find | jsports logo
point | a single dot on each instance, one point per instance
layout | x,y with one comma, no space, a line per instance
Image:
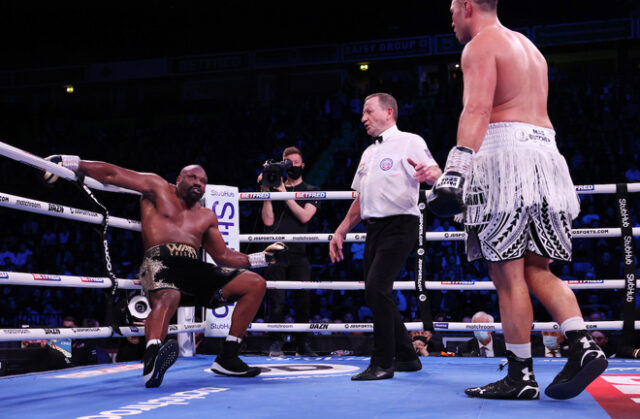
300,195
441,325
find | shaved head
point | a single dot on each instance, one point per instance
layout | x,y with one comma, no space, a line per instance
190,168
484,4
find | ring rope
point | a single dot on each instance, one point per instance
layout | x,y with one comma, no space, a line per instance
61,211
105,332
50,280
47,166
70,213
88,332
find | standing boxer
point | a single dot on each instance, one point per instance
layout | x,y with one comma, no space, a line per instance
519,197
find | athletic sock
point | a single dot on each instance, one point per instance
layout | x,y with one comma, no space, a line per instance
153,342
233,339
521,350
572,324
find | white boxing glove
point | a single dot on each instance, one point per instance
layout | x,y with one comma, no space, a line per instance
68,161
268,257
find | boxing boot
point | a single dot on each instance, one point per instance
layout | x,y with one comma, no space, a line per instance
519,384
585,363
157,359
228,363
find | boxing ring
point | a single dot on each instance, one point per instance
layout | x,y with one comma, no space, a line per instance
292,386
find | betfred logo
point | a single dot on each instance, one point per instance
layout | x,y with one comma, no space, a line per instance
93,280
46,277
585,187
255,195
300,195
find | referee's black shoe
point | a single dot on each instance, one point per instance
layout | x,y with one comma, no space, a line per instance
373,372
157,360
519,384
408,366
585,363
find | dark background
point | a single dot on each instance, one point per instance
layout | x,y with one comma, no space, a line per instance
67,32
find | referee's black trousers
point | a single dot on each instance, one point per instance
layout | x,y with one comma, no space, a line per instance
388,244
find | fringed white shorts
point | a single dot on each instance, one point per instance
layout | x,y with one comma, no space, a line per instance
510,236
520,197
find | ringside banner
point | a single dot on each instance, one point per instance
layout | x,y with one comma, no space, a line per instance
224,202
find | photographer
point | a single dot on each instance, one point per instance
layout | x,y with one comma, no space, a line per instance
289,217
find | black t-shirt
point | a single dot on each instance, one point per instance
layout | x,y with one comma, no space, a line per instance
285,221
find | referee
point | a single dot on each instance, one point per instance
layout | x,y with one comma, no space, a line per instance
388,181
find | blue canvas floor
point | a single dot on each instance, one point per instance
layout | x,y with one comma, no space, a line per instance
295,387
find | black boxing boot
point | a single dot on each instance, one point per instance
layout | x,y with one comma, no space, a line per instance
157,360
585,363
228,363
519,384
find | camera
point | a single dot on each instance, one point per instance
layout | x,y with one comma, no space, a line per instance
139,307
272,172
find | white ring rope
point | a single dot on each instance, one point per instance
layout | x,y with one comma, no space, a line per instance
88,332
61,211
70,213
438,326
106,332
66,281
45,165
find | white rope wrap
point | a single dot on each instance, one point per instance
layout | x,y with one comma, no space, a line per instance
70,162
67,281
47,166
88,332
258,260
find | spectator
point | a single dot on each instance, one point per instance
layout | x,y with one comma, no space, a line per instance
552,345
484,343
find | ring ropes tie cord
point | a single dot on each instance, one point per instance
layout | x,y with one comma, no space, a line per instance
111,293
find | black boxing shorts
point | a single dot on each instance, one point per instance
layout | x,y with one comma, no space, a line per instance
508,236
177,266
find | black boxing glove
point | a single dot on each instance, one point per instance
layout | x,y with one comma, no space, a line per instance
68,161
446,198
268,257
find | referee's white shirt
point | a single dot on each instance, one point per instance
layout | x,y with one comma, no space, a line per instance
385,178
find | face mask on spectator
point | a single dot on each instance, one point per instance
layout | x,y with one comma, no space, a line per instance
551,342
481,336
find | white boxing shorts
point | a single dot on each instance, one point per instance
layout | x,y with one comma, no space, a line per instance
520,198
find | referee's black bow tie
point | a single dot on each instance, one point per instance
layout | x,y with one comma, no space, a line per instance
377,139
